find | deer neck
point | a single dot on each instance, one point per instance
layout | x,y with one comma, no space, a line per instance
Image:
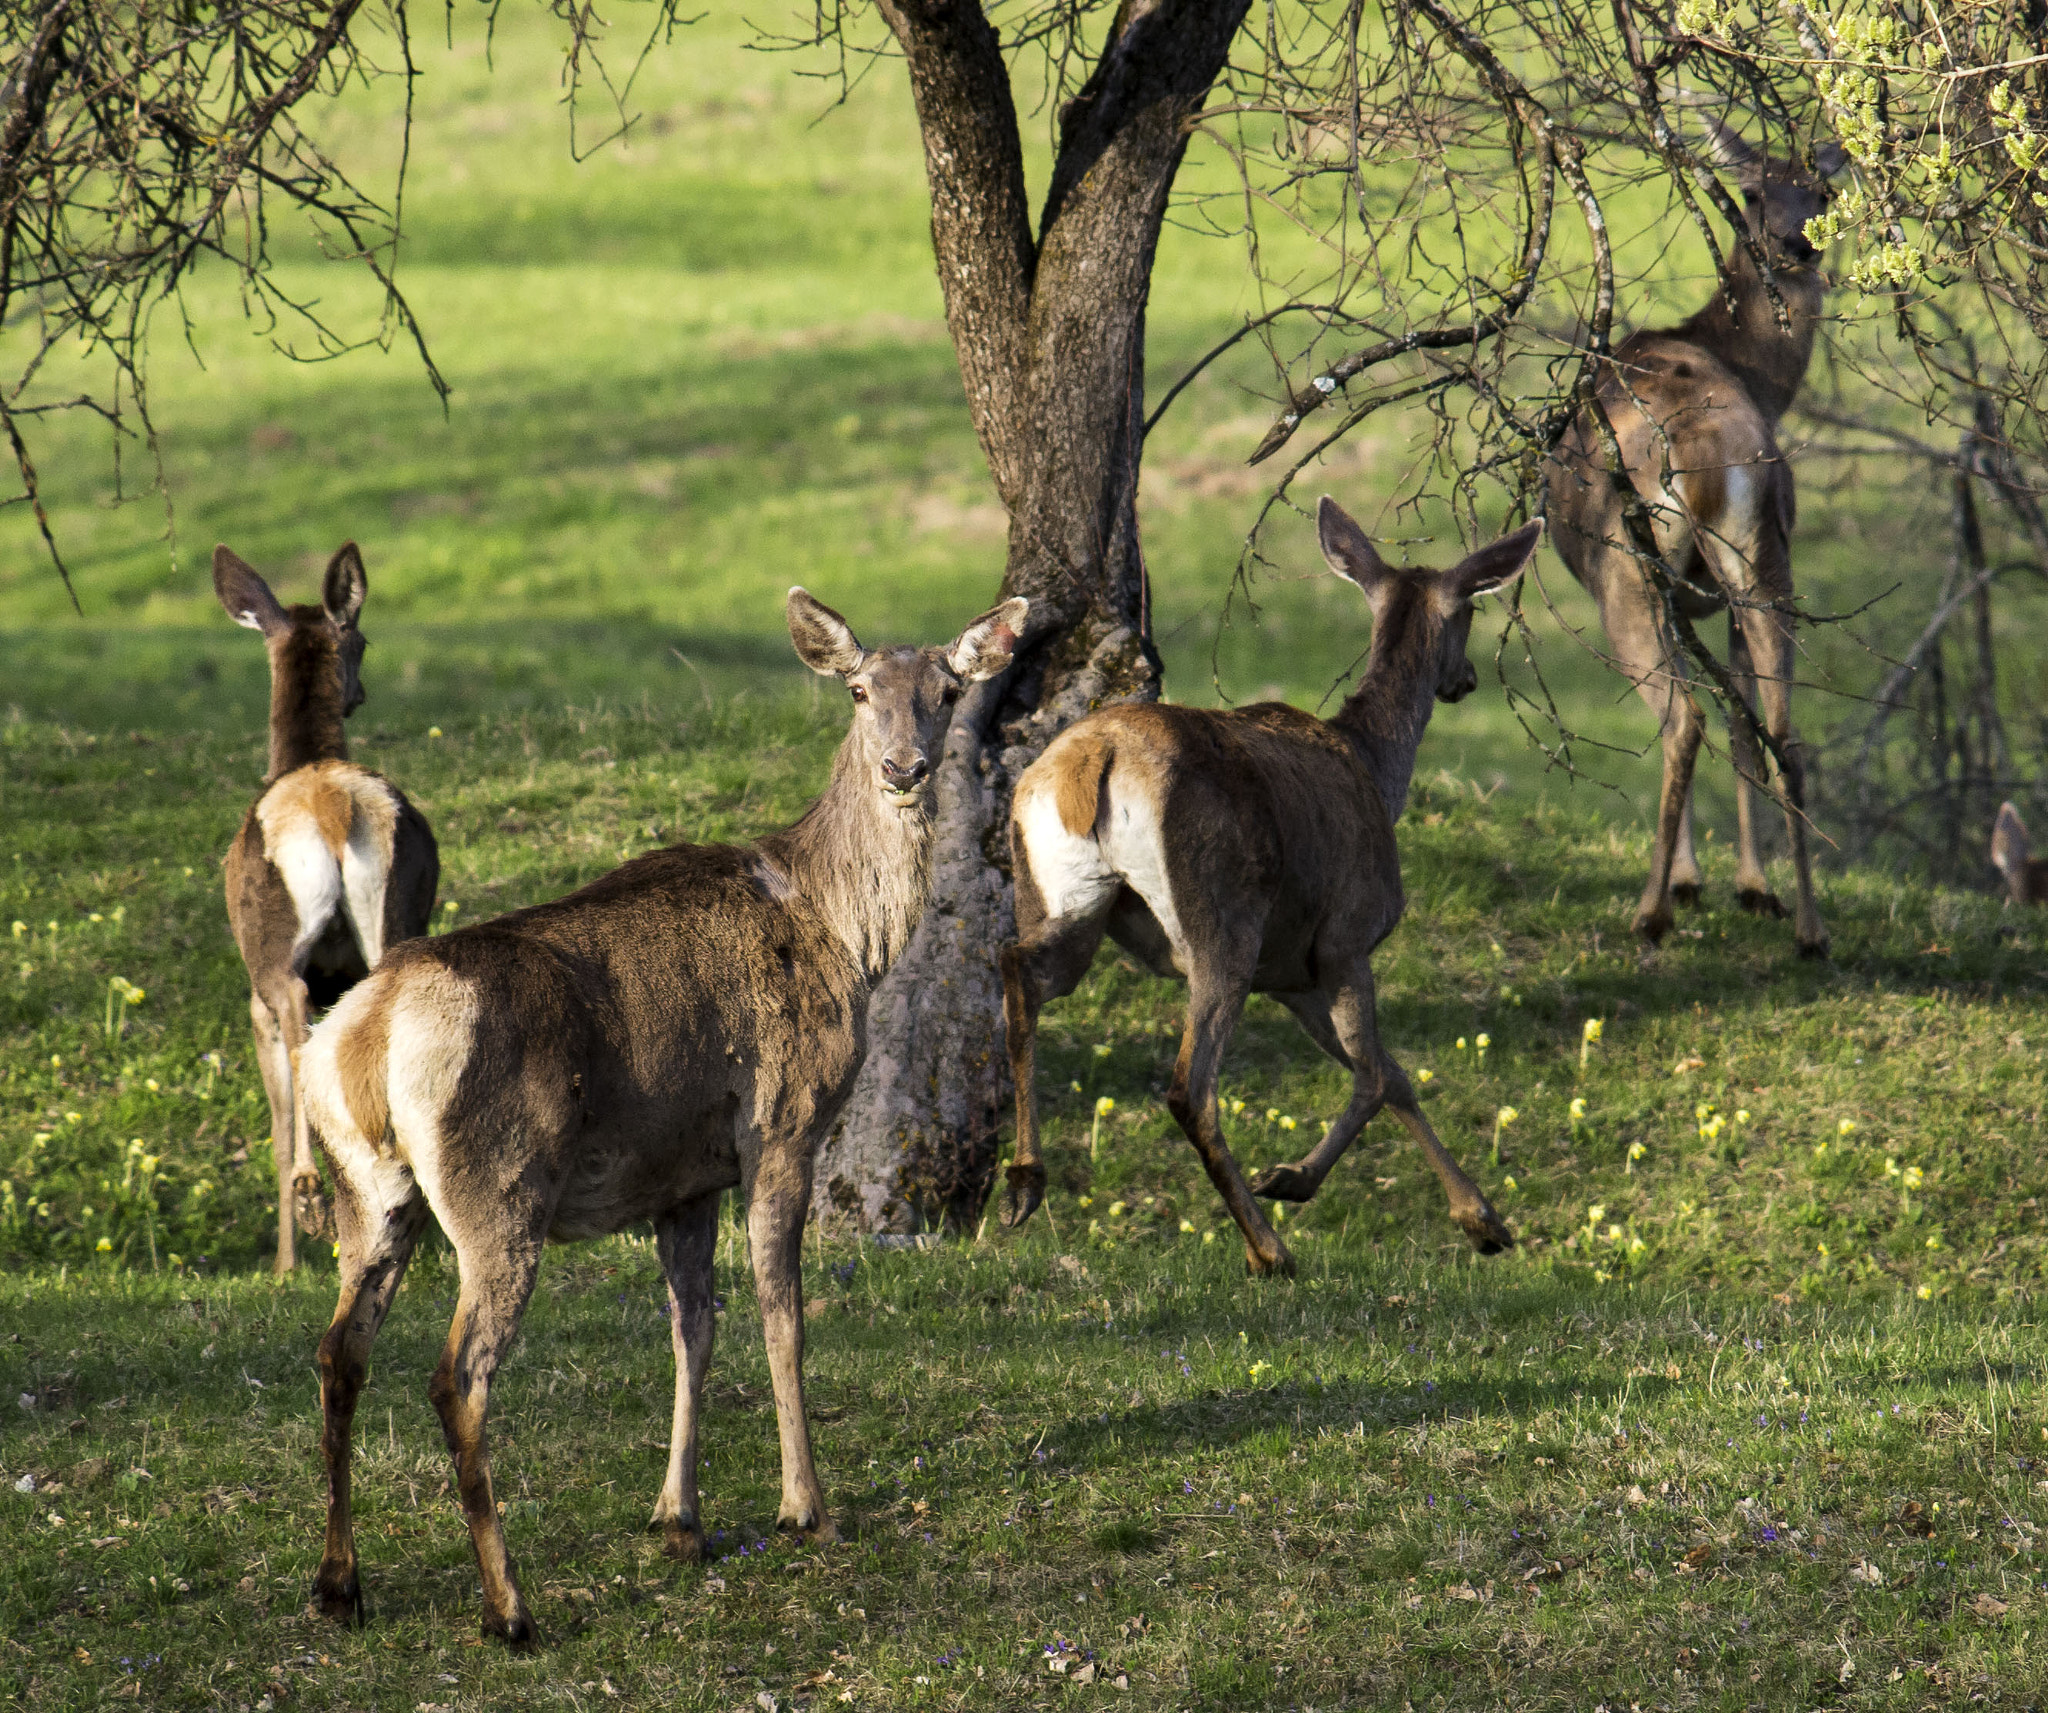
305,703
1385,717
863,864
1769,360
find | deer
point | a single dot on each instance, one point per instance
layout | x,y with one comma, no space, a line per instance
332,865
2025,875
1249,850
688,1024
1694,409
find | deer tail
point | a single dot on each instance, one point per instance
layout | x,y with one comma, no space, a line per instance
1077,789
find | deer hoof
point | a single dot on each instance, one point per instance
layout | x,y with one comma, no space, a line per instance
683,1542
1283,1183
516,1630
1653,925
338,1596
1759,902
1686,892
1279,1265
1488,1231
1817,947
311,1209
1023,1190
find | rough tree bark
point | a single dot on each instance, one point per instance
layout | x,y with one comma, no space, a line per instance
1050,332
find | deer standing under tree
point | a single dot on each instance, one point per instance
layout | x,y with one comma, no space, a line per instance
1695,409
688,1023
332,865
1249,850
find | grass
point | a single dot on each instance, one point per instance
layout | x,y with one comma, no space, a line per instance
1753,1417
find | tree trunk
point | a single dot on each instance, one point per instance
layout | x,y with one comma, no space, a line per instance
1050,333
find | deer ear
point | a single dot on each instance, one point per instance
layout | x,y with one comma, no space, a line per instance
1346,548
986,646
345,586
2009,844
1830,160
245,596
1727,150
1498,563
824,641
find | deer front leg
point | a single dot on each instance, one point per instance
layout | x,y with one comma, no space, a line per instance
376,1242
1300,1181
687,1243
777,1202
498,1271
1473,1212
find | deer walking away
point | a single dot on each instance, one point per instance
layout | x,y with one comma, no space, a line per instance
1249,851
1694,409
689,1023
331,866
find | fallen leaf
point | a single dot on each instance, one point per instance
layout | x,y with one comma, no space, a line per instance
1866,1572
1086,1674
1699,1556
1636,1496
1987,1608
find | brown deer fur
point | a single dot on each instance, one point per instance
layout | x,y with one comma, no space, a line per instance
2025,875
691,1022
1695,410
1249,850
331,865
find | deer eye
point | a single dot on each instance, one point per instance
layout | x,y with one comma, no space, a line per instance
859,692
950,694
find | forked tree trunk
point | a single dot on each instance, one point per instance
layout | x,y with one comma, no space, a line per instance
1050,332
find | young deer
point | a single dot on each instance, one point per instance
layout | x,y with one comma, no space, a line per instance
1695,409
690,1022
2026,875
332,864
1249,851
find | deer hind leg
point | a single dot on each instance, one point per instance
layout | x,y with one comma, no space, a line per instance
378,1222
1214,1004
1752,886
687,1242
1770,643
284,997
777,1201
1065,889
498,1268
274,1060
1647,652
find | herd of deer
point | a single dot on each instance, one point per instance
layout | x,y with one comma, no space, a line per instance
693,1022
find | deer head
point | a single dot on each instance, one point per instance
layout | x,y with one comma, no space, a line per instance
903,697
1422,619
311,648
1781,195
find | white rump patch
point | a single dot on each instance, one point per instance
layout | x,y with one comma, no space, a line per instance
1079,874
379,1181
433,1030
329,830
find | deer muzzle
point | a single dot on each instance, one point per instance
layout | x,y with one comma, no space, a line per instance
902,780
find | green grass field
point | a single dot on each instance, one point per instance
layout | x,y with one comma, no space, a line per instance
1752,1418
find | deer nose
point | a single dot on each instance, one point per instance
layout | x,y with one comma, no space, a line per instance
900,776
1463,685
